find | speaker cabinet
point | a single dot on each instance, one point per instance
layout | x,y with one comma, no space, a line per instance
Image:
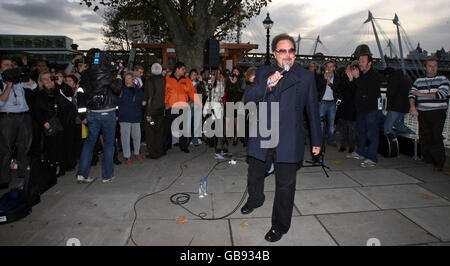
211,54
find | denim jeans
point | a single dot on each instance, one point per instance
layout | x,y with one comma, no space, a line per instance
395,119
367,129
328,109
106,122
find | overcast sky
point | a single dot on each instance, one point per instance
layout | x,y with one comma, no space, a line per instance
338,22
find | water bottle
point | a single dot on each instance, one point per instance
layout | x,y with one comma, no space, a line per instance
201,190
380,104
205,187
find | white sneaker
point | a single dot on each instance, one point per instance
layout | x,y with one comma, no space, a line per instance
200,142
81,179
219,156
107,181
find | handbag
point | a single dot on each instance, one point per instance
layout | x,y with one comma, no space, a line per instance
55,126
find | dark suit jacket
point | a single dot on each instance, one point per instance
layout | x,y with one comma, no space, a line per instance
296,92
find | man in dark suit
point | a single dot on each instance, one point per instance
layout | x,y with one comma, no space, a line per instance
294,91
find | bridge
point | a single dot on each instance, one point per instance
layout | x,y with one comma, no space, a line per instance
258,59
413,65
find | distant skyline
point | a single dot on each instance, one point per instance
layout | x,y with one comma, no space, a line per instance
339,23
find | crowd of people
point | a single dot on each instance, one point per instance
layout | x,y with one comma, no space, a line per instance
66,118
351,104
46,116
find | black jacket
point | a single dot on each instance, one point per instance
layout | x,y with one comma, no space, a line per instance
48,104
347,108
100,87
367,91
234,91
321,84
154,94
397,92
296,94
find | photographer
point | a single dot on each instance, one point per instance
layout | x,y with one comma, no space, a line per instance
234,94
101,88
49,115
328,90
76,66
15,120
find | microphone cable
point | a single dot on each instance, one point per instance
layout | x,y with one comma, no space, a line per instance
184,197
157,192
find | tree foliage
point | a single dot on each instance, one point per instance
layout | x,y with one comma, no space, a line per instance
185,23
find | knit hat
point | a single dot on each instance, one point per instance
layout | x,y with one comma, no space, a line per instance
73,77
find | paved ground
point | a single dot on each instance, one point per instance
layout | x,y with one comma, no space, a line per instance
397,202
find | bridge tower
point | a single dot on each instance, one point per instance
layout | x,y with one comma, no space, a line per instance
397,24
380,49
316,43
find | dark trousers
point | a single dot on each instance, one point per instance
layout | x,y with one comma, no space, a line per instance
53,150
184,141
154,135
431,125
285,176
69,143
348,134
15,135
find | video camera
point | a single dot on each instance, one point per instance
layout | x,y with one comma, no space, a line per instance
16,75
106,61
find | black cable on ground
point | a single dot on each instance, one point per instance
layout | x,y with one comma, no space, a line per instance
182,198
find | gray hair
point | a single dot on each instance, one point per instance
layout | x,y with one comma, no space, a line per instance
156,69
129,73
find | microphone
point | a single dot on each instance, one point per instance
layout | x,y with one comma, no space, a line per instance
286,68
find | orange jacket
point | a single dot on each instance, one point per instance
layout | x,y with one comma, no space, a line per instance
178,92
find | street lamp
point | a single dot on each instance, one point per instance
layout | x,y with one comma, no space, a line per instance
268,24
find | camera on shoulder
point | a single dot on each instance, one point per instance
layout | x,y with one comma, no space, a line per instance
16,75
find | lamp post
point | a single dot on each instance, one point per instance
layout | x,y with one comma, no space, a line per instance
268,24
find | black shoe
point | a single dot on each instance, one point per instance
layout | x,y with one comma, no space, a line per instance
4,186
342,149
246,209
350,150
117,162
273,235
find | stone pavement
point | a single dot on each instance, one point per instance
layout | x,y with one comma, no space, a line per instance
397,202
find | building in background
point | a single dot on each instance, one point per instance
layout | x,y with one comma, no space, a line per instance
57,50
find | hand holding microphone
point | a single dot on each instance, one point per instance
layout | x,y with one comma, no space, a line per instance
273,80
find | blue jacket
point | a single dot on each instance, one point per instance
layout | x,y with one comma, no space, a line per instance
297,92
130,105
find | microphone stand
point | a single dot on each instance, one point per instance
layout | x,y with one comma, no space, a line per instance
318,160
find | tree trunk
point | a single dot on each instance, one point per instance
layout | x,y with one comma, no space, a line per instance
191,54
189,47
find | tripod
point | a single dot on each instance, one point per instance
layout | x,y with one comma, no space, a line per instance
318,160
